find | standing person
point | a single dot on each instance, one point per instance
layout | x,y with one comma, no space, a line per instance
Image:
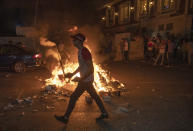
150,48
157,43
145,46
85,81
170,53
125,49
162,47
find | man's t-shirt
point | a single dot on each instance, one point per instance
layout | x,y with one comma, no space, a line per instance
83,56
126,46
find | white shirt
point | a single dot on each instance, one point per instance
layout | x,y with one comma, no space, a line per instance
83,56
126,48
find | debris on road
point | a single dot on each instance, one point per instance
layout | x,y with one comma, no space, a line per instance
7,75
122,110
8,107
40,79
34,97
107,98
23,113
88,100
61,98
17,101
50,107
34,111
50,87
28,100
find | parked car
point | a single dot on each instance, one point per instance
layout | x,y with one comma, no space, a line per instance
18,58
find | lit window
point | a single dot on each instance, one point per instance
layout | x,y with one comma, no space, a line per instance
124,13
143,7
168,4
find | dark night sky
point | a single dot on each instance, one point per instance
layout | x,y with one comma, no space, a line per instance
21,12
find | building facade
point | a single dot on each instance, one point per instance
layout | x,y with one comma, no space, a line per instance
174,16
131,18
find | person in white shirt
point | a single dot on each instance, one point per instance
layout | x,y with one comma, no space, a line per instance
125,49
85,81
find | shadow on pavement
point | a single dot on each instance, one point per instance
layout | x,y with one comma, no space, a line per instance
104,125
64,128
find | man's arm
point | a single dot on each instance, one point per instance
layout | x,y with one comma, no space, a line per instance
76,71
70,75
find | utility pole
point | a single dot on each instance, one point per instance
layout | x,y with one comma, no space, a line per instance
36,12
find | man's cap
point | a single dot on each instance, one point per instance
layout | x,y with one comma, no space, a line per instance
78,36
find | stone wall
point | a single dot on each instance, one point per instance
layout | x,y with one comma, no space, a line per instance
136,50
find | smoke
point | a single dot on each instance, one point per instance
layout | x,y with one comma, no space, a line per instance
60,36
53,53
95,41
46,42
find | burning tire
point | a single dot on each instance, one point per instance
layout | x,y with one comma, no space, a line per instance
18,67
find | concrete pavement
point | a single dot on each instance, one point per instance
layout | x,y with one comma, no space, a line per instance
158,99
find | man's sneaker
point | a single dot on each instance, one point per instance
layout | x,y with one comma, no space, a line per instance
102,116
61,119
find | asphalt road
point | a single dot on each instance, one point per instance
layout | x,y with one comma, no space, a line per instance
158,99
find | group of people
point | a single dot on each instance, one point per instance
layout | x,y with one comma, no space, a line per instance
167,51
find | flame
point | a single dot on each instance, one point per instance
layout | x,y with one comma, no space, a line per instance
74,29
102,80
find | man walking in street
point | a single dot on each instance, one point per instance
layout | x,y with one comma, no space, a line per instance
85,81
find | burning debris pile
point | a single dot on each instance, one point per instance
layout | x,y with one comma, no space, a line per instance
58,89
103,81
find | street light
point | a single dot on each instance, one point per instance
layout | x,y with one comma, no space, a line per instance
132,8
151,4
103,18
116,14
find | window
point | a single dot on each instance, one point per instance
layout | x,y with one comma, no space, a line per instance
191,3
161,27
124,13
116,15
112,13
109,16
151,7
169,26
143,7
168,4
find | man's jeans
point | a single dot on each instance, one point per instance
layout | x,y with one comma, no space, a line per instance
84,86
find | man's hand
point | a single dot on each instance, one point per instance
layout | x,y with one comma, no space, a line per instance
69,75
77,79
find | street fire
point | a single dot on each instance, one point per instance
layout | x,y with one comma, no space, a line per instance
102,79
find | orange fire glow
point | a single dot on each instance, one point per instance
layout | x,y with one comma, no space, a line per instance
101,78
